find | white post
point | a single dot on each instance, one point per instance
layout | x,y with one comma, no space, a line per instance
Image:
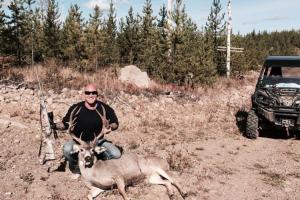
228,39
169,12
170,28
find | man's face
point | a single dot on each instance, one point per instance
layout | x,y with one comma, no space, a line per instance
90,94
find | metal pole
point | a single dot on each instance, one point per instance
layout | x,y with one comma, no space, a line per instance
228,39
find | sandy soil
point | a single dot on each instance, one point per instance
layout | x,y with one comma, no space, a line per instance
199,136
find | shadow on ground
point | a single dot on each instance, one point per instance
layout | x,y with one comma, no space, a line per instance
241,120
278,133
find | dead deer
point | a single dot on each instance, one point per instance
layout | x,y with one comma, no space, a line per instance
100,175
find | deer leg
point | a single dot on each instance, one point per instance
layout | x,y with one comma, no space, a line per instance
157,180
121,187
166,176
182,193
94,191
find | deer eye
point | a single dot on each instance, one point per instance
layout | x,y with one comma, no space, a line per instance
81,150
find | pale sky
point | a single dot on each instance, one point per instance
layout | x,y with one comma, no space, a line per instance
270,15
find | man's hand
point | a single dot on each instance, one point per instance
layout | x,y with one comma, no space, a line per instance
113,126
106,130
51,121
109,128
59,126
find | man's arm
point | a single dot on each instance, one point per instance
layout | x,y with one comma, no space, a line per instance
112,118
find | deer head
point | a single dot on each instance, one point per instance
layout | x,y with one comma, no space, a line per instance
87,150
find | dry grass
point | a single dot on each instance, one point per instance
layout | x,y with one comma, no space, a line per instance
27,177
178,161
259,166
133,145
272,178
55,76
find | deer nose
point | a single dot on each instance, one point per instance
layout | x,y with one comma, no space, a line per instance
88,158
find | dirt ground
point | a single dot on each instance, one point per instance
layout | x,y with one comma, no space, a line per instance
199,136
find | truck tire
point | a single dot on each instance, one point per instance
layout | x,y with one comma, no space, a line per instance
252,125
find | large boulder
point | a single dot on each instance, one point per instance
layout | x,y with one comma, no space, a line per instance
133,75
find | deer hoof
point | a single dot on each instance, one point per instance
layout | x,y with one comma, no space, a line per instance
184,195
172,196
90,197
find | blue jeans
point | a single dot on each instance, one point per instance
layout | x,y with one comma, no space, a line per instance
112,152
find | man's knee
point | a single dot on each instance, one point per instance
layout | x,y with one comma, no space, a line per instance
116,153
112,150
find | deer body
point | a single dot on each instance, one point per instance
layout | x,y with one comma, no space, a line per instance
129,169
104,173
100,175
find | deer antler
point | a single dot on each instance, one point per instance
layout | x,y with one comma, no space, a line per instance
72,123
105,125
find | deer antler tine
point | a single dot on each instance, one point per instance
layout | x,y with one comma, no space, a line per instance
72,124
105,124
78,111
94,142
81,135
77,139
104,111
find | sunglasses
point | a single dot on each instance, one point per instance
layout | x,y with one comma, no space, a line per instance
90,92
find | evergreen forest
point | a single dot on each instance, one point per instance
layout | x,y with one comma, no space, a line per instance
169,47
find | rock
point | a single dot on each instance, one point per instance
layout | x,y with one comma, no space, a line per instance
74,92
21,89
65,90
7,123
17,141
31,92
50,100
165,100
17,98
8,193
133,75
50,92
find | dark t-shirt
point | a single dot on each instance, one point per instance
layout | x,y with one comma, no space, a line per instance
88,122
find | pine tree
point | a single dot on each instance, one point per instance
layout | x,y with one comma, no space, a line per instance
38,35
205,72
238,60
176,69
162,46
131,44
94,37
73,40
148,39
214,28
2,16
52,42
17,31
121,43
110,37
28,38
2,29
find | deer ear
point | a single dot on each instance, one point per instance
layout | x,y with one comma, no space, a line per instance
99,150
75,149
